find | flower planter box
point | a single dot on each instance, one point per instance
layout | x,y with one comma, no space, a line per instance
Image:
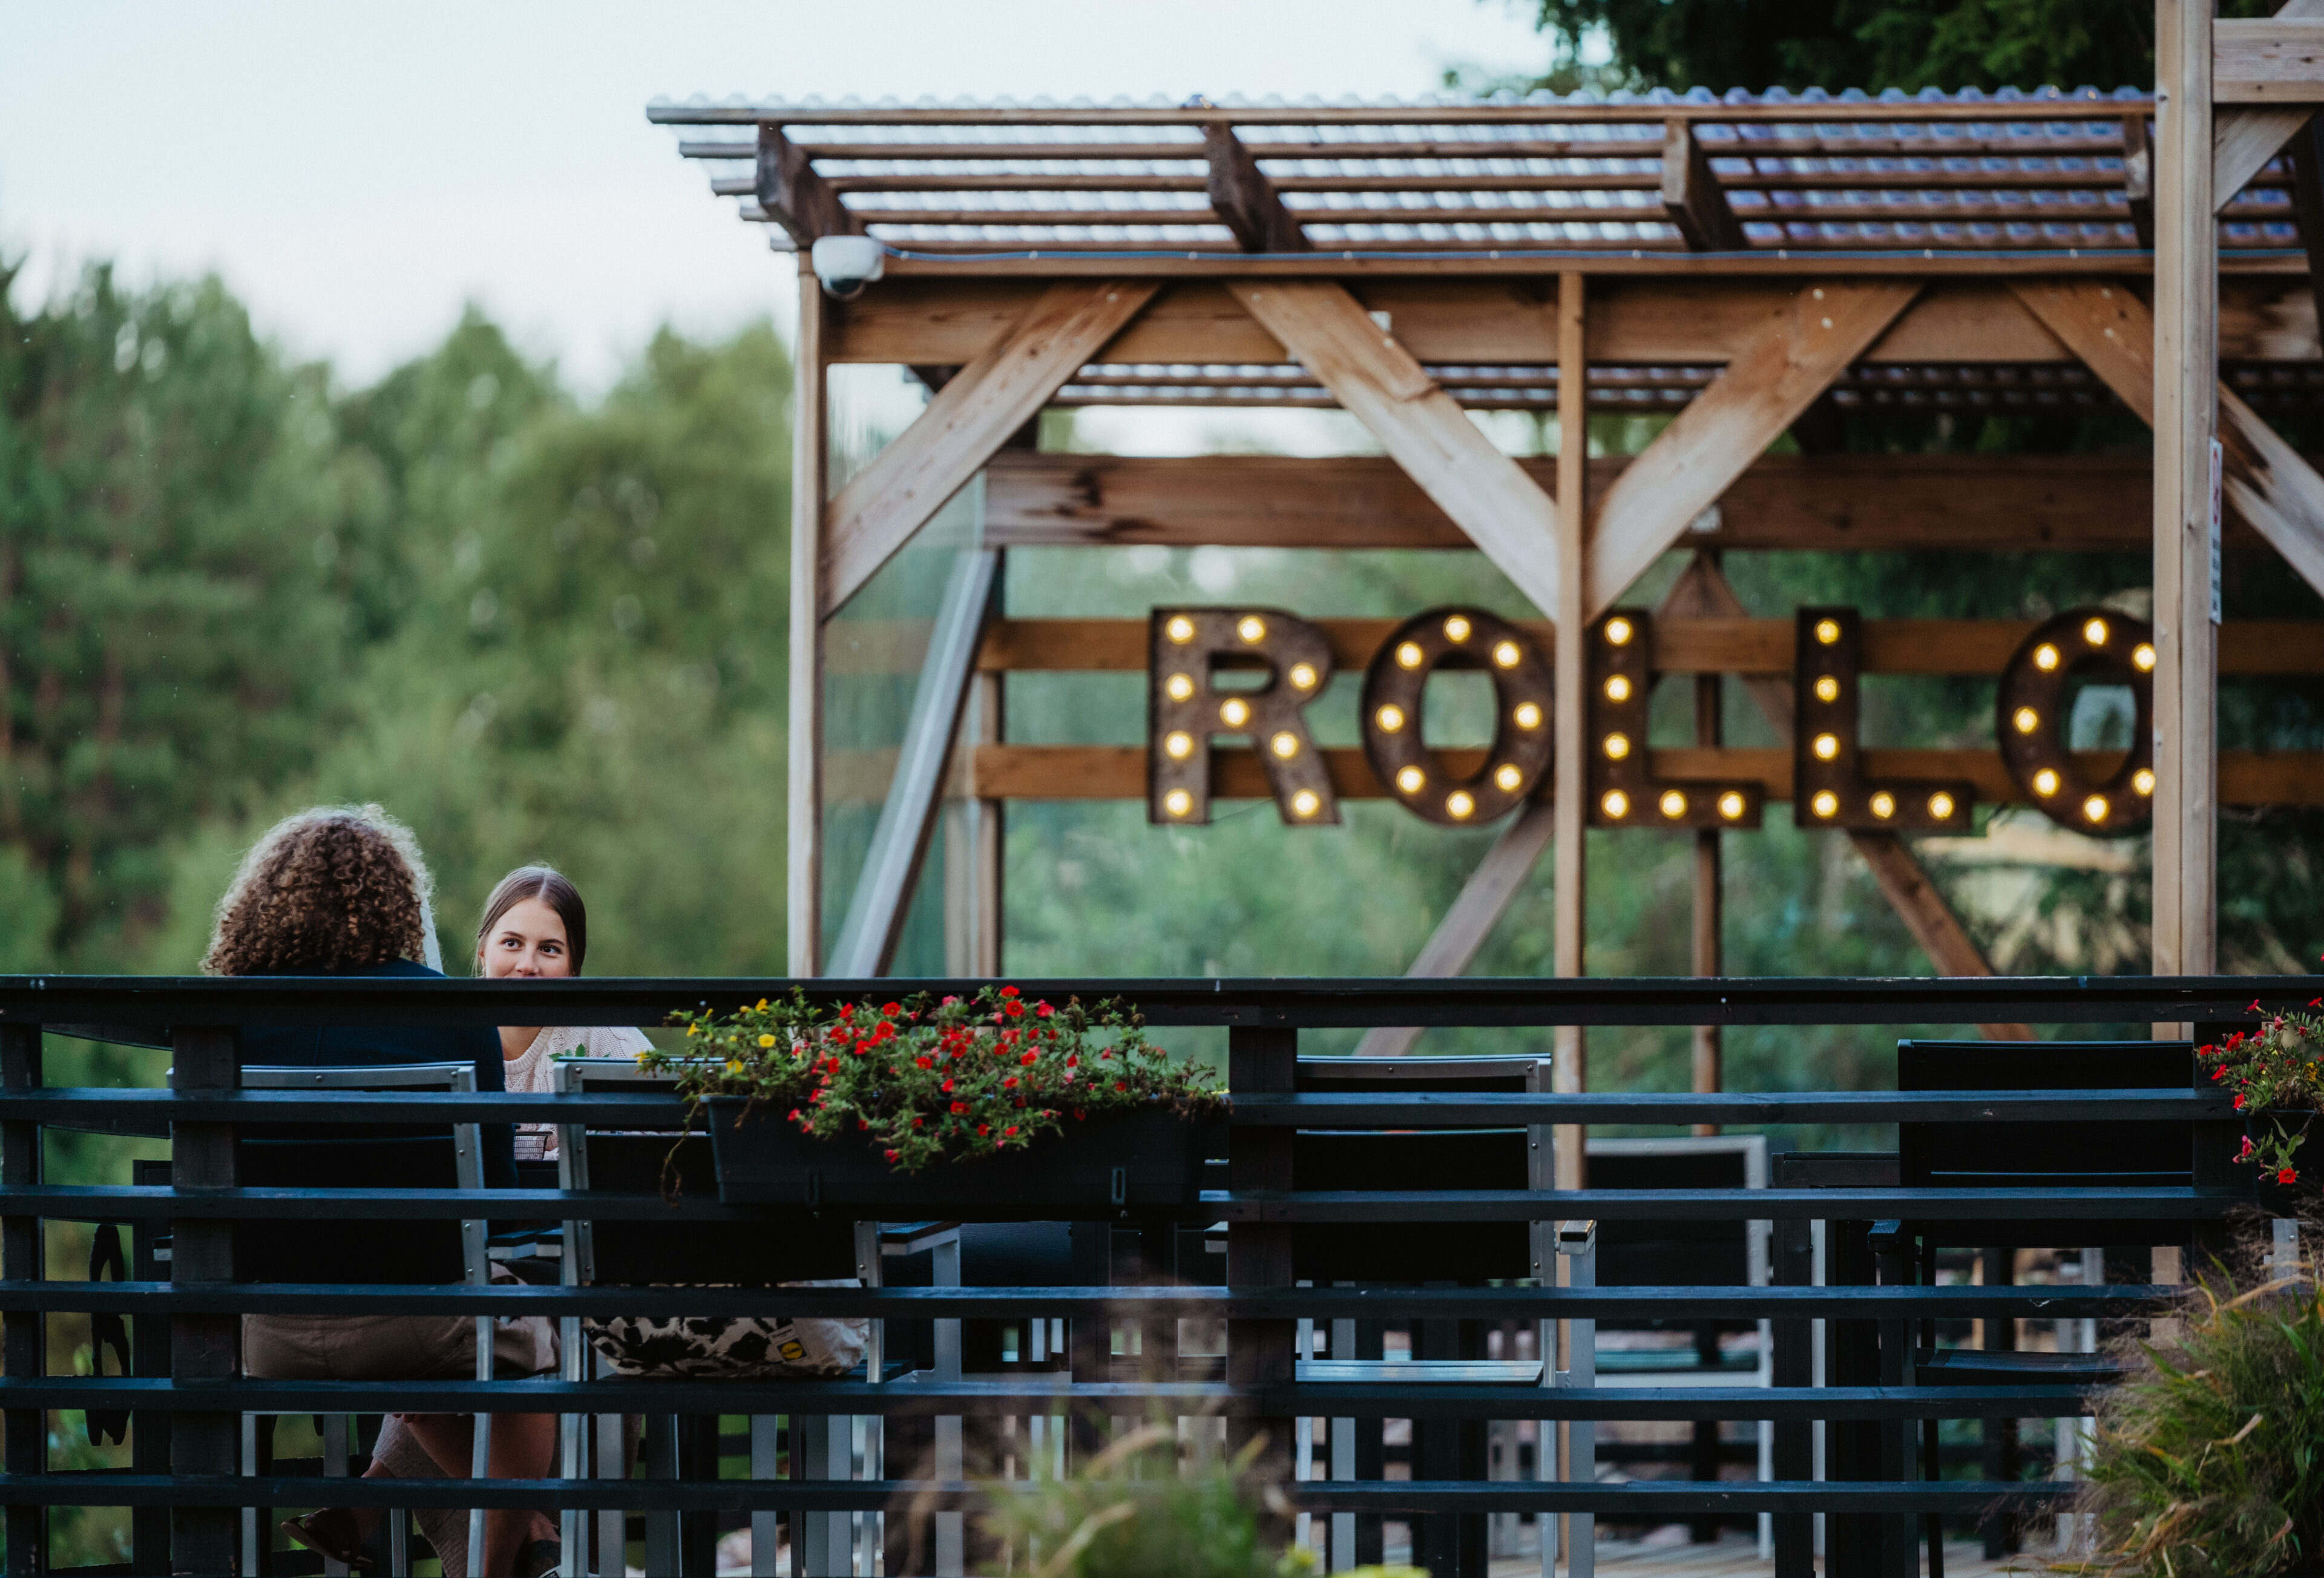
1120,1162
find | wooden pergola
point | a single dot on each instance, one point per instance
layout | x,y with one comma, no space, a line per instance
1728,260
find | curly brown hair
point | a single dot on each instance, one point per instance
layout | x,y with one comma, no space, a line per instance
331,889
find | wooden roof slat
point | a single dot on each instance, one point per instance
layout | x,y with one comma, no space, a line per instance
1429,150
1544,110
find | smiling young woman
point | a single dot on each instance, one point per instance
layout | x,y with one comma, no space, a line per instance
536,928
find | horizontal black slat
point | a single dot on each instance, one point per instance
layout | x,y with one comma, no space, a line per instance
916,1399
1963,1301
123,1202
130,1002
1655,1498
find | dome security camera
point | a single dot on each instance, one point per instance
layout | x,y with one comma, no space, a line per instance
847,263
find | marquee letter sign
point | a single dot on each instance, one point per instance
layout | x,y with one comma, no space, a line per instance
1185,707
2095,646
1393,686
1829,789
1624,792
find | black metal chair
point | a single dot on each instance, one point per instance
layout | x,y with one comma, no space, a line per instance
2143,1154
1466,1254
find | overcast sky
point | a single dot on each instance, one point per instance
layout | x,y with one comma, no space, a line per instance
357,173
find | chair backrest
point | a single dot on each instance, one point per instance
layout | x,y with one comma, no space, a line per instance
368,1156
1634,1254
2158,1155
669,1162
1513,1158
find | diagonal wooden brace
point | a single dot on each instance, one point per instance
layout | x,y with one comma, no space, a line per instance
965,423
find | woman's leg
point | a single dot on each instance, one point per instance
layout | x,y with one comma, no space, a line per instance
523,1447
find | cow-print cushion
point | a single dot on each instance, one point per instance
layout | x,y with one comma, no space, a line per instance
730,1345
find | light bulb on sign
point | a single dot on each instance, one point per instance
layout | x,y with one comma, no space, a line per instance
1179,744
1305,803
1941,805
1507,775
1180,628
1303,676
1825,803
1179,687
1251,629
1673,803
1285,745
1884,804
1527,716
1234,712
1177,803
1731,805
1458,804
1827,689
1408,655
1507,656
1618,688
1411,780
1617,804
1456,629
1620,631
1390,718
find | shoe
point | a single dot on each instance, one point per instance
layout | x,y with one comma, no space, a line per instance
538,1558
332,1533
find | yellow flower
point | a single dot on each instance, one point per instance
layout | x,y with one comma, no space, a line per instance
694,1030
763,1003
734,1067
766,1041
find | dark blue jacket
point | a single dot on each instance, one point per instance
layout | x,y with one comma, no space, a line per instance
336,1046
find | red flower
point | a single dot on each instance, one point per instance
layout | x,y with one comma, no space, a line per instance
1073,1060
1117,1085
1030,1058
924,1062
1016,1010
1043,1009
984,1129
2316,1002
945,1087
1009,992
2239,1103
919,1123
891,1009
2289,1175
1080,1116
794,1115
1010,1130
890,1155
2255,1006
2246,1153
1009,1083
960,1106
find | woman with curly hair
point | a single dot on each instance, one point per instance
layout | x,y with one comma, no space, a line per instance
341,891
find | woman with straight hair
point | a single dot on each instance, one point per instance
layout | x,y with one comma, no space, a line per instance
535,928
341,891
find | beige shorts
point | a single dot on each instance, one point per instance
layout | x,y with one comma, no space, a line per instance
393,1347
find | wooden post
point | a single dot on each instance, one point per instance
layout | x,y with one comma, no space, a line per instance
23,1333
1260,1353
1570,1072
204,1347
809,462
973,842
2186,409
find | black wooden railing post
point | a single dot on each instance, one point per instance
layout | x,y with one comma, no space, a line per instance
23,1337
1260,1353
204,1347
1795,1366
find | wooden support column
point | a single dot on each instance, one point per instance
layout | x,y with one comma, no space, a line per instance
1570,1069
965,422
810,462
1380,384
2185,407
23,1333
973,840
204,1347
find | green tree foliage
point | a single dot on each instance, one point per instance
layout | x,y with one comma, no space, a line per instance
171,504
1872,44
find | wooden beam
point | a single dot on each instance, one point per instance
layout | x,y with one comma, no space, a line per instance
2185,414
1822,503
1118,772
1714,440
2271,487
1475,910
795,197
2138,174
810,460
1692,199
2272,60
971,417
1686,321
2110,329
2308,203
1377,380
1747,648
1570,1063
2242,143
874,923
1244,199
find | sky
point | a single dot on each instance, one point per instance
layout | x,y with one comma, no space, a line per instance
358,173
